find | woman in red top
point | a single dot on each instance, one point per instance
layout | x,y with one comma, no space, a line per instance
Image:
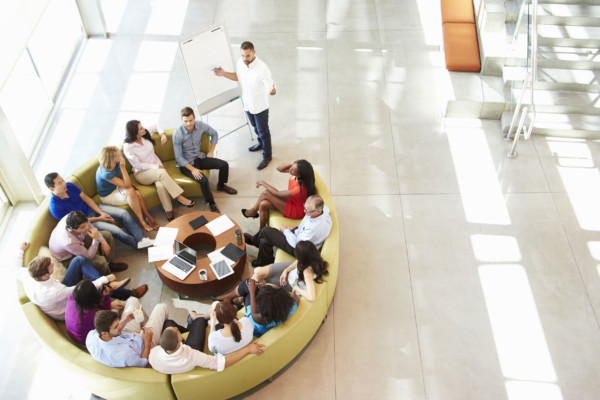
290,202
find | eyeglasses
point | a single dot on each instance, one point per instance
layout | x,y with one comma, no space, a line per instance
308,212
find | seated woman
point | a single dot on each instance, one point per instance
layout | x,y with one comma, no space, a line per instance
230,334
290,202
115,188
298,276
147,167
82,305
266,306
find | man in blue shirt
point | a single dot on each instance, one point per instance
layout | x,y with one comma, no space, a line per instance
114,342
67,197
191,160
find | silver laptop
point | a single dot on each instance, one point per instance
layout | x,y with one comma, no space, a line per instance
183,262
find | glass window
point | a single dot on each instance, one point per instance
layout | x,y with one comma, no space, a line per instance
4,204
25,102
54,42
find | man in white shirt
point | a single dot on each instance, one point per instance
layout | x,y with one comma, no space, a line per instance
49,294
314,227
257,85
174,357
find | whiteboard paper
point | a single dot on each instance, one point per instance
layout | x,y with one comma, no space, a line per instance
202,52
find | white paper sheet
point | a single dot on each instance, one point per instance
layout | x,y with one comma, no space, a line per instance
165,237
220,225
160,253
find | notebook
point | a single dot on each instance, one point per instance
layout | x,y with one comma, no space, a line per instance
183,262
198,222
232,252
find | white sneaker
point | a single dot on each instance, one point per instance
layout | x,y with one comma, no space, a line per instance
145,242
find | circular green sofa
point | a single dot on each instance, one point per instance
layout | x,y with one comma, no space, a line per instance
282,344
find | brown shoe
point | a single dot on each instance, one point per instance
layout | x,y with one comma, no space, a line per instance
114,285
117,266
139,291
227,189
214,208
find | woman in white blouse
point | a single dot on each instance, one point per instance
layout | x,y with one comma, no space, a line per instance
299,276
147,167
230,335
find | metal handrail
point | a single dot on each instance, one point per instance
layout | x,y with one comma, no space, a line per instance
522,111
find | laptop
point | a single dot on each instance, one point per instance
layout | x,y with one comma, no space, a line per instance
182,263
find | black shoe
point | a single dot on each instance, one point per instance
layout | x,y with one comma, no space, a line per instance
251,216
263,164
214,208
249,239
259,263
117,266
256,147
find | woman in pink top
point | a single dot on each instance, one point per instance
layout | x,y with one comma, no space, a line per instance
82,306
147,167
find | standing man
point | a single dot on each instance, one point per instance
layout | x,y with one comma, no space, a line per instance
191,160
257,84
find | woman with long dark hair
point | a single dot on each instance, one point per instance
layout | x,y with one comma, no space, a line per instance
82,306
227,334
290,202
298,276
147,167
266,306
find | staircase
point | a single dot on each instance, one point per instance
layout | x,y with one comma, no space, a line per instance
567,90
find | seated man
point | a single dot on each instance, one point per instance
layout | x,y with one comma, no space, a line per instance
191,160
50,295
315,227
114,342
67,197
74,236
174,357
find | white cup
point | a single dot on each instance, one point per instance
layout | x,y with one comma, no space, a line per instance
202,274
139,316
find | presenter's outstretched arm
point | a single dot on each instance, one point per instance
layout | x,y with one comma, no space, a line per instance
229,75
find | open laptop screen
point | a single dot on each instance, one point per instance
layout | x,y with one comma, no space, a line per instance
185,252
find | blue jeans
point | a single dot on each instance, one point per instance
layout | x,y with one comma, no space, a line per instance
131,233
260,123
81,267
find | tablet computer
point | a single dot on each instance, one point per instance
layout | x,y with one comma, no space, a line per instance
221,269
198,222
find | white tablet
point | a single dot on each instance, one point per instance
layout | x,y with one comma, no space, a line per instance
221,269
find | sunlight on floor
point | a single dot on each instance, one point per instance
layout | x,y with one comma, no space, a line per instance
495,248
167,17
480,190
517,330
523,390
580,178
113,11
154,56
145,91
54,157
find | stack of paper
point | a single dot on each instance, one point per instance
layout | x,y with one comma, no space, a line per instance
220,225
163,244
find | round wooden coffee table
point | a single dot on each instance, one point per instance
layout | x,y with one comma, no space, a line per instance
192,285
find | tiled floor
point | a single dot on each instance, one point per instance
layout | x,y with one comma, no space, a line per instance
463,274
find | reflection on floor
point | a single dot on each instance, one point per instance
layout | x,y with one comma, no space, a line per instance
464,274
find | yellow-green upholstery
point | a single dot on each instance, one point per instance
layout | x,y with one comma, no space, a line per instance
283,343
